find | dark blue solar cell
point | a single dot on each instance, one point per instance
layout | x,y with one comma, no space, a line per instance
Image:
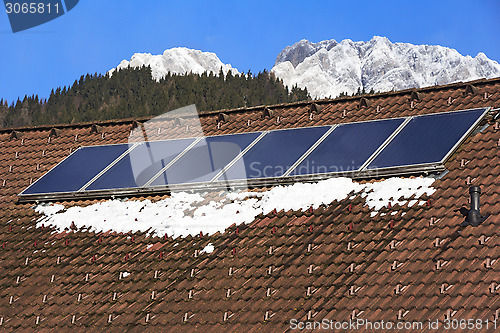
140,164
427,139
76,170
206,159
347,147
275,153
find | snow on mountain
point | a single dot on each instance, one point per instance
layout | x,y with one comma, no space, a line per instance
301,50
329,68
179,60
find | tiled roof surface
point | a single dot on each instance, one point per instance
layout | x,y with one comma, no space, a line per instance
336,262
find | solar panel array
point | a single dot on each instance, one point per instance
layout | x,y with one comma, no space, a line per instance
360,149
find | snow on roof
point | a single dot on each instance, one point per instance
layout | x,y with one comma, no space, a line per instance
378,194
208,249
185,214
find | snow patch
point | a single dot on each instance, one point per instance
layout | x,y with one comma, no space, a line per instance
48,209
396,191
208,249
186,213
411,203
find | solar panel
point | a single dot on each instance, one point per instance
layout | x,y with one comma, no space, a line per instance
206,159
77,169
140,164
385,147
347,148
275,153
427,139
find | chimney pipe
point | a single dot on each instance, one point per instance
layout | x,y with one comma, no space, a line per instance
475,192
474,217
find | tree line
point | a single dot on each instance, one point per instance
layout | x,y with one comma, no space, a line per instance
132,92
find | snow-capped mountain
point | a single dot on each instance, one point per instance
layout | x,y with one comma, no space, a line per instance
329,68
179,60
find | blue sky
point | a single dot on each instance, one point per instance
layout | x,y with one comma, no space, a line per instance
96,35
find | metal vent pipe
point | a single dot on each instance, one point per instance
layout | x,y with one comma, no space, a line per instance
474,217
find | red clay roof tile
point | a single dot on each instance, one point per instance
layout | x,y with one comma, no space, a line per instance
330,271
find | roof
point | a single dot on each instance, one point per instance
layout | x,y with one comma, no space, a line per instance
337,262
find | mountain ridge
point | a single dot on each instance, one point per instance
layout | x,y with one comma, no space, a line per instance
329,68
